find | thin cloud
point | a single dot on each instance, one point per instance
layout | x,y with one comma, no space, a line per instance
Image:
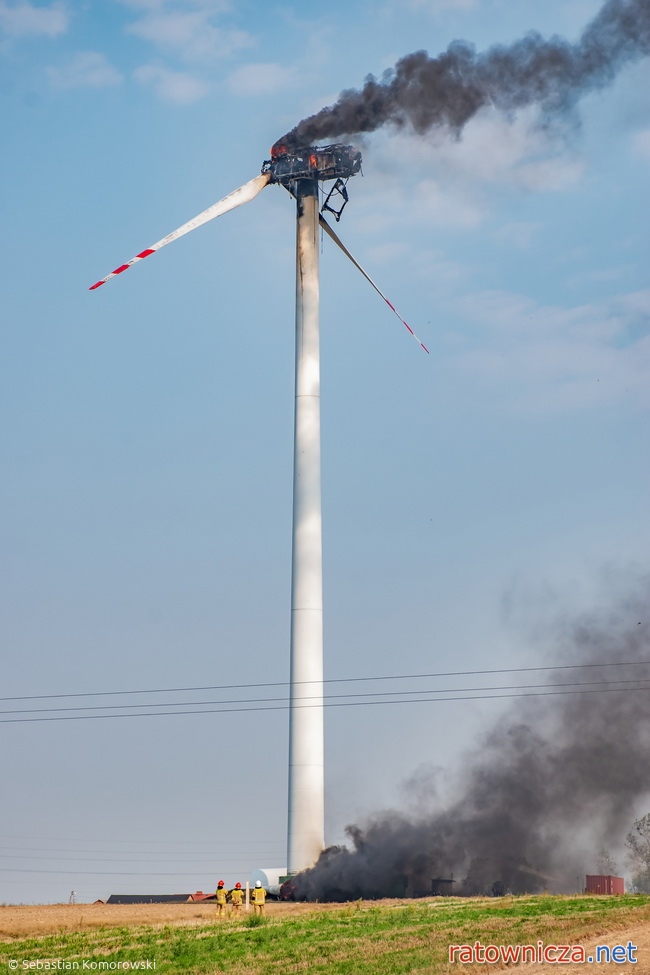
554,358
388,253
641,144
259,79
515,151
189,34
439,6
177,87
519,234
212,7
87,69
432,200
598,276
23,19
457,183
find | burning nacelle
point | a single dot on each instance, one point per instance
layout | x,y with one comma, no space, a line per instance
312,162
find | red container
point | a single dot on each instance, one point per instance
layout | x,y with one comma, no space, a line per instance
604,884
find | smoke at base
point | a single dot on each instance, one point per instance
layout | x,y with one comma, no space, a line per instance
447,91
554,781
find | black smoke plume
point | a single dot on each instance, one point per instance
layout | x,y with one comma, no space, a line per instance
556,780
445,92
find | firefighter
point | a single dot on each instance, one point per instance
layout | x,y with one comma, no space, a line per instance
236,898
258,898
222,897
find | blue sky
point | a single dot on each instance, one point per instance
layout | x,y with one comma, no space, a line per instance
469,495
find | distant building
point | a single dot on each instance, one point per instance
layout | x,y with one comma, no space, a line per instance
149,898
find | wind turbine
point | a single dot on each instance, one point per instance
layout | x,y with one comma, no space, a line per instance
300,171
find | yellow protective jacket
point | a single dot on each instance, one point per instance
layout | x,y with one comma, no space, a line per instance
258,895
222,895
237,896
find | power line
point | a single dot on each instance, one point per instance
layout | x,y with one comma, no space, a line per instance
67,839
331,680
108,873
206,861
89,891
329,697
189,855
338,704
41,883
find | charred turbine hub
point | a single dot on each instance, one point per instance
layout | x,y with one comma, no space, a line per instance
312,162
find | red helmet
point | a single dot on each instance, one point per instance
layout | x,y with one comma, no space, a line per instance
238,886
220,884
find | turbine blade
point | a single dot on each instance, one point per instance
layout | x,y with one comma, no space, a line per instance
244,194
337,240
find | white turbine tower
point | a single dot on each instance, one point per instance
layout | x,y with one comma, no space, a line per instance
300,172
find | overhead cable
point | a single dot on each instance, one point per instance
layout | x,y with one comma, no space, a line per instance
317,698
330,680
337,704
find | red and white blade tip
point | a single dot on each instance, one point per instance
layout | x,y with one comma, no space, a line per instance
244,194
337,240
